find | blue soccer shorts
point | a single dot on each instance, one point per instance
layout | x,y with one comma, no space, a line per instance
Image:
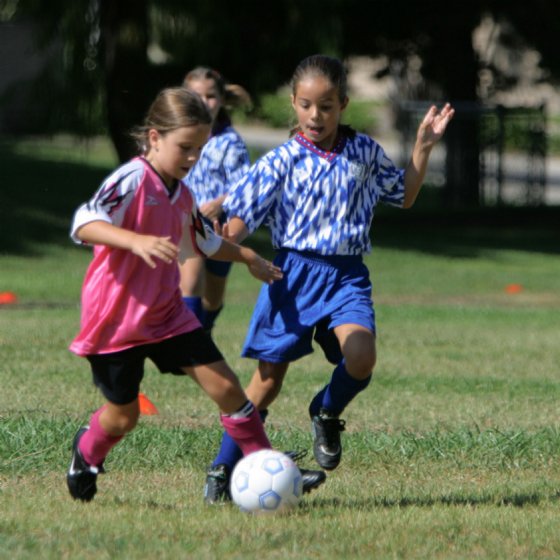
316,294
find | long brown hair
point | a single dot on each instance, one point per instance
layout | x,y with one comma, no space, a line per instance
172,108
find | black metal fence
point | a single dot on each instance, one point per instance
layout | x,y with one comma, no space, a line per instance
511,144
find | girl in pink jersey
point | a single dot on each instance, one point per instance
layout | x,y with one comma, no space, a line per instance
141,221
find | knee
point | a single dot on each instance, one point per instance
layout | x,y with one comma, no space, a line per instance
360,367
126,424
122,423
360,357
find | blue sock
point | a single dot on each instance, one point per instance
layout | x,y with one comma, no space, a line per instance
195,305
208,318
229,453
335,396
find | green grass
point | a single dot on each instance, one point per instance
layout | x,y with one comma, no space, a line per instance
452,452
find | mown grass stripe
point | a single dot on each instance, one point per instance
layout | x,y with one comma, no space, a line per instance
27,444
469,385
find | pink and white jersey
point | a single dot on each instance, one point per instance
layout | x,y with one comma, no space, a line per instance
126,303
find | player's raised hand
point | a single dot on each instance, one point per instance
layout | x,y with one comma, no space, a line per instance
149,246
433,125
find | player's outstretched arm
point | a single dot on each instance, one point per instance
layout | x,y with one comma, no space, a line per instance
234,230
430,131
260,268
146,247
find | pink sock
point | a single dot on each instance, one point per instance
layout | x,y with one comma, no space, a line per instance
248,432
96,443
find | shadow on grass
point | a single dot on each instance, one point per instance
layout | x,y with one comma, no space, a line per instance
39,198
457,234
516,499
466,233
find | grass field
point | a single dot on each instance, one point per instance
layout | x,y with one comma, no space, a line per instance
452,452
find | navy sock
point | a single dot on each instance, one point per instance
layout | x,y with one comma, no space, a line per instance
195,305
230,453
208,318
335,396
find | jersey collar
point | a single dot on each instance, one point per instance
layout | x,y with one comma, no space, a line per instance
329,156
171,191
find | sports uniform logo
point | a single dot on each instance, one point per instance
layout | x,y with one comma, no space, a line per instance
198,225
151,201
358,170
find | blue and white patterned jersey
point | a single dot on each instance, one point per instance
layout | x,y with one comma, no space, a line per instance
318,201
223,161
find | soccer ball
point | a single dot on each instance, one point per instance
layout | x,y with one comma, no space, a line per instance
266,481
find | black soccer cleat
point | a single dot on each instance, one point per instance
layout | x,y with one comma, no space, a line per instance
216,488
81,477
217,491
327,448
311,479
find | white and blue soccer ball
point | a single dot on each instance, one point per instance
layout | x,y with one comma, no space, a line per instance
266,481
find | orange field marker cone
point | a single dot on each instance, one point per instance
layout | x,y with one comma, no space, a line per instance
147,407
7,298
513,288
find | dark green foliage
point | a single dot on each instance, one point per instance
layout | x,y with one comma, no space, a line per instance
101,45
276,110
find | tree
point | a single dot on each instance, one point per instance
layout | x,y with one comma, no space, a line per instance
124,28
100,72
442,39
440,34
106,45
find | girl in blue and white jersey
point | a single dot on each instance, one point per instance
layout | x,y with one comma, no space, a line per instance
223,161
318,193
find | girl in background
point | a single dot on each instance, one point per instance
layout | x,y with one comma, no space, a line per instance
317,193
223,161
139,221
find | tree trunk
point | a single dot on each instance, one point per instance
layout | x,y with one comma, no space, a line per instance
457,72
124,25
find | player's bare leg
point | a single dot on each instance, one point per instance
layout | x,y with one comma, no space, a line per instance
266,383
214,291
213,299
239,416
351,376
92,444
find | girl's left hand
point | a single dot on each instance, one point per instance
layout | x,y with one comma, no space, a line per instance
433,125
